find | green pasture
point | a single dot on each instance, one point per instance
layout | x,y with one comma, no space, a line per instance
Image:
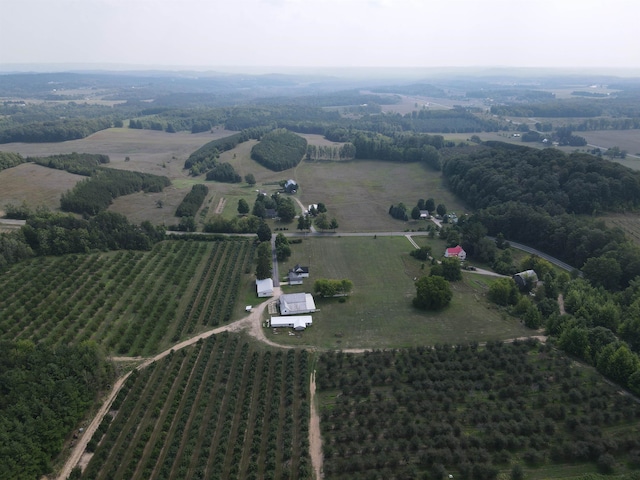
379,312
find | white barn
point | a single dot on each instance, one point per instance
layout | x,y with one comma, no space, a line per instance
264,287
296,304
297,322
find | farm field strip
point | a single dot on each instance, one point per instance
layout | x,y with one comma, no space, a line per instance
218,409
129,301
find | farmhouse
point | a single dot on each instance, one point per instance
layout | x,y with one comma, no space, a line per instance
293,278
456,252
424,214
297,322
264,287
291,186
297,303
523,278
302,271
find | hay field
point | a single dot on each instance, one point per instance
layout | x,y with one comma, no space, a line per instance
359,192
628,140
35,185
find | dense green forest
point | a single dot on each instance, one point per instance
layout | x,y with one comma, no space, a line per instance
549,178
47,233
44,393
224,172
192,201
533,196
57,234
399,147
279,150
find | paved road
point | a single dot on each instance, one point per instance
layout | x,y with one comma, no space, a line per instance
549,258
520,246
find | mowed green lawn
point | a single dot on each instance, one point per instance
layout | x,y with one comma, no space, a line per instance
379,313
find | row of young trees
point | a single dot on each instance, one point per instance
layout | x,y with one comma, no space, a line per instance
331,152
192,201
263,266
326,287
79,163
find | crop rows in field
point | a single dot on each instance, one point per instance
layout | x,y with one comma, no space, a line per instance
215,292
129,301
220,409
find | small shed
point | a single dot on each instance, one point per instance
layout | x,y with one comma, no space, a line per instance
264,287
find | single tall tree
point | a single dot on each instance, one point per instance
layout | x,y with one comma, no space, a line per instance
243,206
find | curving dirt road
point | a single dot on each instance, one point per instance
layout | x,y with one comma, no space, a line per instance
253,324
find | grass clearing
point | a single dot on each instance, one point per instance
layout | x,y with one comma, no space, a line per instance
629,223
379,313
35,185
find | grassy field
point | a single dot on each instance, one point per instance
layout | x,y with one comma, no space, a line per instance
357,193
148,151
379,312
34,185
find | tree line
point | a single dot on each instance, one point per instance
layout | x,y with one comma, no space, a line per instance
8,160
78,163
206,156
399,147
192,201
96,193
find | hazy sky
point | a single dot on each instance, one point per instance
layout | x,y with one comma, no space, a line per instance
340,33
